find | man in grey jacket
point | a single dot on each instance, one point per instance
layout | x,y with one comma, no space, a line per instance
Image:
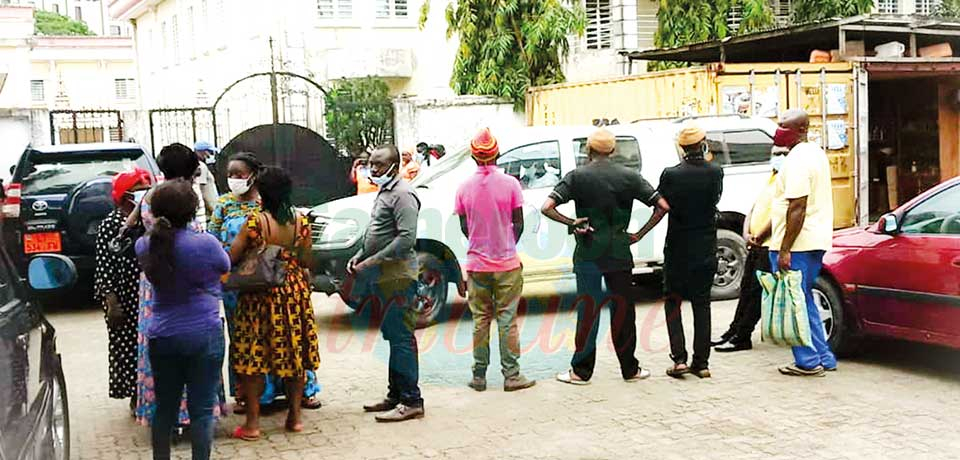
387,267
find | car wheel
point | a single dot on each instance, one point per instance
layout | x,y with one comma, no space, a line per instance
60,418
829,301
432,284
731,259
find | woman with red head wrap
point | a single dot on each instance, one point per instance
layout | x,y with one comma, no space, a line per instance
116,284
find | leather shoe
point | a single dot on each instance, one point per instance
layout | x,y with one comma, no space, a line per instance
723,339
735,346
401,413
382,406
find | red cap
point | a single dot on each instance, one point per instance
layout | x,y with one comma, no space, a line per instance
125,181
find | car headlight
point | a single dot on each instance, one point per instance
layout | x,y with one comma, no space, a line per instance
330,233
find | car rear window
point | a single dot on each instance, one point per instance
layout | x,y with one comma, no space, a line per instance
61,172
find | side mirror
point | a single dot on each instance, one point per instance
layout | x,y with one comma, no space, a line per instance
51,272
888,224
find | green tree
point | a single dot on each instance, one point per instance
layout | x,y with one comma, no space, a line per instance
948,9
509,45
805,11
359,114
48,23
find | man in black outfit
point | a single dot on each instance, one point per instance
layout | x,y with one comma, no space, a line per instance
692,189
604,192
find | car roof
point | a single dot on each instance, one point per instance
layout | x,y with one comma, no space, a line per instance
713,123
519,136
103,146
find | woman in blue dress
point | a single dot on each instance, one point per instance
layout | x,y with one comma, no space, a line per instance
230,216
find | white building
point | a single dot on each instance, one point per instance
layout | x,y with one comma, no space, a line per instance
95,13
42,74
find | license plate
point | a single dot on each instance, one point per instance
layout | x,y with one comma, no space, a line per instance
34,243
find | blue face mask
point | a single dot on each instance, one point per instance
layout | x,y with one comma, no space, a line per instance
777,162
383,179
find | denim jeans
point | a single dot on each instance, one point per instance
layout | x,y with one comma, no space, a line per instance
591,298
809,264
395,299
495,295
193,359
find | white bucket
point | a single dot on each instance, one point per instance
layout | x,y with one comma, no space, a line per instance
890,50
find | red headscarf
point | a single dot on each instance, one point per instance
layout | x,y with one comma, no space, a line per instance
125,181
786,137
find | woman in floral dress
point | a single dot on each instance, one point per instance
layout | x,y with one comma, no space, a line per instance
176,161
230,217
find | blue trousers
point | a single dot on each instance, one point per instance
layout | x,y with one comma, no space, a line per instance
396,298
809,264
194,360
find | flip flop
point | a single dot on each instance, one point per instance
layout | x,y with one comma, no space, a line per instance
245,436
293,427
568,378
678,370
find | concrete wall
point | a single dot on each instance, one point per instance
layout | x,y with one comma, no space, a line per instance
451,121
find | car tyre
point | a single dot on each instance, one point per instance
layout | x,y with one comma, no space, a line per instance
731,260
432,285
829,300
60,417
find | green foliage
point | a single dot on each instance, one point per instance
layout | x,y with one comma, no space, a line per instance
757,16
359,114
949,9
818,10
509,45
49,23
682,22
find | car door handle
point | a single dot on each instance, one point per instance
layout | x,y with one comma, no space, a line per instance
956,262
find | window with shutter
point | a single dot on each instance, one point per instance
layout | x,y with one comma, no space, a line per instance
124,88
599,24
175,35
37,93
928,7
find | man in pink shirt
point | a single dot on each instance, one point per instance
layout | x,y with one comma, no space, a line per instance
490,206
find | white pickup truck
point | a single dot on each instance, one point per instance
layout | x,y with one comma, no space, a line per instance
539,157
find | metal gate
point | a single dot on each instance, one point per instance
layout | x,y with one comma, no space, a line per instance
184,125
85,126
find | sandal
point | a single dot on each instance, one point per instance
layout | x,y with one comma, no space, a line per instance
678,370
239,433
311,403
701,372
571,378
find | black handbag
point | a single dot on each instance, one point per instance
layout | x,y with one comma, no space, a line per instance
261,269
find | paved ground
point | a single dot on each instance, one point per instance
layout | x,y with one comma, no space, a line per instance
900,400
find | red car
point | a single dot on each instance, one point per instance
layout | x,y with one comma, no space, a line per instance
898,278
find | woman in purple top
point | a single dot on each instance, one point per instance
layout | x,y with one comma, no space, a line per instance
186,333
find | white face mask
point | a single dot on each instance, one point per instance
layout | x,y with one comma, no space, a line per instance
382,180
238,186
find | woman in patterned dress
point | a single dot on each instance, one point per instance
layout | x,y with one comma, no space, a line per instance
116,283
229,217
176,161
275,330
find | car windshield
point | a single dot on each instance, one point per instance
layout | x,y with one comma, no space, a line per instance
60,173
446,164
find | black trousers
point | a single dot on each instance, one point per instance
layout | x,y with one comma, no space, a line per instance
623,320
695,287
748,307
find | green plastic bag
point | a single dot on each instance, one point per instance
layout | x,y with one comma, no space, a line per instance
784,319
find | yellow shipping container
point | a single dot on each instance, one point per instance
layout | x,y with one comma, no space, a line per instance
825,91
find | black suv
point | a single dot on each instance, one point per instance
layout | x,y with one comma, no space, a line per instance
58,196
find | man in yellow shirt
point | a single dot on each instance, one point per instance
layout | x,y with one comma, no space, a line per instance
802,218
757,230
